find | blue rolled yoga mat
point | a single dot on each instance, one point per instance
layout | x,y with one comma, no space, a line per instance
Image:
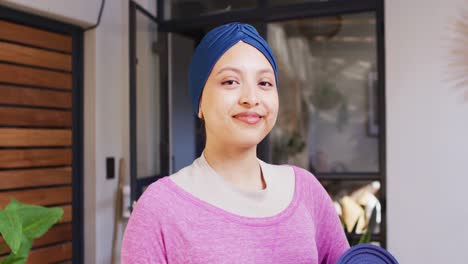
367,254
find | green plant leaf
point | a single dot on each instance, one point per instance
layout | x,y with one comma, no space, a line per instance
10,227
13,259
36,220
22,255
365,238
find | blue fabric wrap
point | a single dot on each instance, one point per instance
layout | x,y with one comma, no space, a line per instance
367,253
215,43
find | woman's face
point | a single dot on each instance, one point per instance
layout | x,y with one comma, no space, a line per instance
240,100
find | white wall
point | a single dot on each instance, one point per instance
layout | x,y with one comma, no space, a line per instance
427,129
83,12
106,124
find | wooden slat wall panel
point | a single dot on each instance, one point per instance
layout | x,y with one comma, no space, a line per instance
34,97
35,129
28,76
41,196
12,179
35,57
57,233
50,254
15,116
36,37
67,214
34,157
20,137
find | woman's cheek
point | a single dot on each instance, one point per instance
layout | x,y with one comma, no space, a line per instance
272,104
227,99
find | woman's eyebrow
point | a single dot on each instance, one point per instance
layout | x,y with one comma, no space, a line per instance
229,69
238,71
265,71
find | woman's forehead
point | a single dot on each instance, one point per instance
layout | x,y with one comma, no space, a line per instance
242,56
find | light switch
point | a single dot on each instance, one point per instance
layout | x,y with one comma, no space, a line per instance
110,168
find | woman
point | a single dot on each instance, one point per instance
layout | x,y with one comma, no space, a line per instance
228,206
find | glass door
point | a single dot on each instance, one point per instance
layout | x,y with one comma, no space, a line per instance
149,129
331,115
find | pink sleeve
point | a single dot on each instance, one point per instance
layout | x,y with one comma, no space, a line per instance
330,236
143,241
329,233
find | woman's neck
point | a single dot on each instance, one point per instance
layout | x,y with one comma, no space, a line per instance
238,166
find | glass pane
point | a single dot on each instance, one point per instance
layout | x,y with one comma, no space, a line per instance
148,107
257,25
182,117
327,120
190,8
357,202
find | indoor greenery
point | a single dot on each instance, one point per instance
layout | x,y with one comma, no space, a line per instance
20,224
353,237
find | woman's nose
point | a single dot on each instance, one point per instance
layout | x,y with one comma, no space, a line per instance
249,95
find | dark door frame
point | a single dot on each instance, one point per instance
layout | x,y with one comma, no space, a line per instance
76,33
138,185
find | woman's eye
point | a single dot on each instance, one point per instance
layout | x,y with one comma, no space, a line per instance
229,82
268,84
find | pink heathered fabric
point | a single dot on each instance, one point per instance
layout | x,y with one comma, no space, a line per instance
169,225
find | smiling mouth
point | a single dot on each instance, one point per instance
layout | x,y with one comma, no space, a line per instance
250,119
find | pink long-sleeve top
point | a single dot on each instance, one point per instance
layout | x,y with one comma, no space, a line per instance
170,225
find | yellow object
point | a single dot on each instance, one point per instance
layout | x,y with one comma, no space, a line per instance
353,212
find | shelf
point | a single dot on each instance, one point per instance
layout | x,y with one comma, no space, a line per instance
349,177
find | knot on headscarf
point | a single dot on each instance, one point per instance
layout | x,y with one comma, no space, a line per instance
215,43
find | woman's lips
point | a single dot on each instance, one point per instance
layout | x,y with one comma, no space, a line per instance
248,118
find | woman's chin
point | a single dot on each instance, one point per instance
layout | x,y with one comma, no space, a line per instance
240,136
248,139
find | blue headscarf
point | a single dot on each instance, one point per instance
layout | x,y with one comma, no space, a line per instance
215,43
